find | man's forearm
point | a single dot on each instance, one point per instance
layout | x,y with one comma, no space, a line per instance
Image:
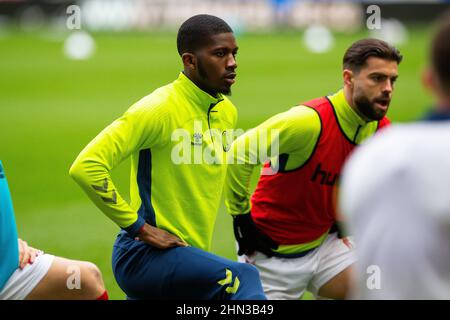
95,180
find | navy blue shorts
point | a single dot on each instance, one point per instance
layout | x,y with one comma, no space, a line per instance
145,272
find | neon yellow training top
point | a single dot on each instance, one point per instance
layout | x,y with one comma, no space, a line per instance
177,163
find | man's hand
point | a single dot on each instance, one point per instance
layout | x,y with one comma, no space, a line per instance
347,242
159,238
250,238
342,233
27,254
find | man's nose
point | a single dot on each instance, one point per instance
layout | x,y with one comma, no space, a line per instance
231,62
388,86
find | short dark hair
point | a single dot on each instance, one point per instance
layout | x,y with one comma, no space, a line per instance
356,56
440,51
195,32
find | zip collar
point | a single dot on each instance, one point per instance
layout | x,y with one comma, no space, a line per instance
353,126
195,94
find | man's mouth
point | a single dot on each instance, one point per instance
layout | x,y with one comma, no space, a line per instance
230,78
383,103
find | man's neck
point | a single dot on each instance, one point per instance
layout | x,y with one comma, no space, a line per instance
197,83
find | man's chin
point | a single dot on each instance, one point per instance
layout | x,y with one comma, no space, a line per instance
380,114
371,111
226,91
381,110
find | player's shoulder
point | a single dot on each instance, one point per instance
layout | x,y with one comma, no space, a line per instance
404,142
155,104
424,134
302,116
410,158
411,133
299,122
302,110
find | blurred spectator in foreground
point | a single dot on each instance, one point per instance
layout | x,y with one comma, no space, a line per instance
396,195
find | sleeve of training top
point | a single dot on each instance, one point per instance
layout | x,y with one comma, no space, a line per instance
141,127
297,131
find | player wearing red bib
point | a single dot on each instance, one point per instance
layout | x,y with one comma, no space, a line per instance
288,227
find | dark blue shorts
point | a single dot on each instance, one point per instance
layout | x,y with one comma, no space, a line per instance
145,272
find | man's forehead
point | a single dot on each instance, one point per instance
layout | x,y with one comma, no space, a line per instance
375,64
222,39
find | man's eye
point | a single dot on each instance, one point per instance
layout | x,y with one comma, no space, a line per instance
377,78
220,54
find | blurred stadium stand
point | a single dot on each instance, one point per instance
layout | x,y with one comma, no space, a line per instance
243,15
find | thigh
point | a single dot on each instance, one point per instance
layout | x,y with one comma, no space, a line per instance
332,277
205,275
284,278
64,280
180,273
337,287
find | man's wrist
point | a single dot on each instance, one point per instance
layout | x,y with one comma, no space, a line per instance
134,229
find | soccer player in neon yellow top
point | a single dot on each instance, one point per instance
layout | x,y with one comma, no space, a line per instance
161,251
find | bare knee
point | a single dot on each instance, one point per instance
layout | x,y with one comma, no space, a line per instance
91,281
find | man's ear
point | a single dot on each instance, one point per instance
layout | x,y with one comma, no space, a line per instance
347,74
189,61
429,79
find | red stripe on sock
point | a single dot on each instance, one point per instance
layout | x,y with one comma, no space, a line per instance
104,296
